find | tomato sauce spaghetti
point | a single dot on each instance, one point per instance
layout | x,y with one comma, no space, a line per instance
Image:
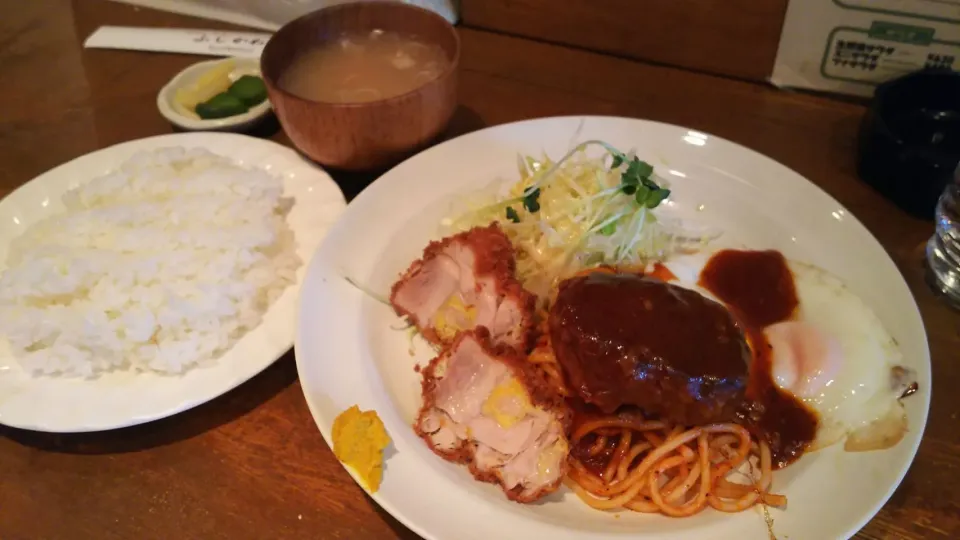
643,462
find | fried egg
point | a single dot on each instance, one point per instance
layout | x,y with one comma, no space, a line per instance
834,355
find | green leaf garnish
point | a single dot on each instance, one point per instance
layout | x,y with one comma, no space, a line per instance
656,197
512,215
609,229
642,194
636,179
618,160
637,171
531,200
643,169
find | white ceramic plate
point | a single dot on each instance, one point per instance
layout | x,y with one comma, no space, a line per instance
189,76
348,354
123,399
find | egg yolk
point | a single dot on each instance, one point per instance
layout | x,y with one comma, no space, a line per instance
453,316
507,404
805,359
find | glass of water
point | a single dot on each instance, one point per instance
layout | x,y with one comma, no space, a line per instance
943,248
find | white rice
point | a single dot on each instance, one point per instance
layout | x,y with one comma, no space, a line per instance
158,266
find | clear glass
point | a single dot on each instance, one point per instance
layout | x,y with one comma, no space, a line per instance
943,249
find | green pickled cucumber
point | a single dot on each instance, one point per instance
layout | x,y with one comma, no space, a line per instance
221,105
249,89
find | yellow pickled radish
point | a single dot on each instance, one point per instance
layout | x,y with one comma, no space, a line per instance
210,83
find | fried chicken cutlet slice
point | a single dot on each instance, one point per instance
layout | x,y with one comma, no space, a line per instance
483,406
463,282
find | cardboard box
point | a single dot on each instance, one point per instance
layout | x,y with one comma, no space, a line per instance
850,46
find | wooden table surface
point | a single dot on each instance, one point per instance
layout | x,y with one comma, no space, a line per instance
251,464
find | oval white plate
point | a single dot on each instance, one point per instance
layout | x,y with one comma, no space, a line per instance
123,399
348,354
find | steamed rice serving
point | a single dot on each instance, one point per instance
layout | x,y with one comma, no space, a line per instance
158,266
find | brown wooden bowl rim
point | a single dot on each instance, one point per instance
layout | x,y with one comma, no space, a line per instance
447,73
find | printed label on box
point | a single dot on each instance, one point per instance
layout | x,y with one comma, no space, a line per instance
850,46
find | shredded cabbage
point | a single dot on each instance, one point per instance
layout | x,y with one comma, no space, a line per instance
582,216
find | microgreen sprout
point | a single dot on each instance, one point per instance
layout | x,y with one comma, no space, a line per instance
366,290
578,211
635,180
531,200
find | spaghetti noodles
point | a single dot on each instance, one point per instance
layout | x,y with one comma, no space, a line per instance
626,460
652,466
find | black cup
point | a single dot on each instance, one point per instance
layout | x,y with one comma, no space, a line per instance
910,139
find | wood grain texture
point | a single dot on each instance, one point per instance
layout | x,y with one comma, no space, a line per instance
735,38
370,135
252,465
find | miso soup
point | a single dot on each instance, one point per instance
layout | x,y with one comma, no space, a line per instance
364,66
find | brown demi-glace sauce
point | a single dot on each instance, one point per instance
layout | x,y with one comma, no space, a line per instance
758,288
758,285
596,463
626,339
661,272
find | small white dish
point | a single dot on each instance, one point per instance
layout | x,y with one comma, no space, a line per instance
124,398
169,109
349,348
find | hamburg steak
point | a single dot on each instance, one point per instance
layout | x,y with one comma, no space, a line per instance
626,339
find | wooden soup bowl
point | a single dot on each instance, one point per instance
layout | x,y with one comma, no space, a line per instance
369,135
